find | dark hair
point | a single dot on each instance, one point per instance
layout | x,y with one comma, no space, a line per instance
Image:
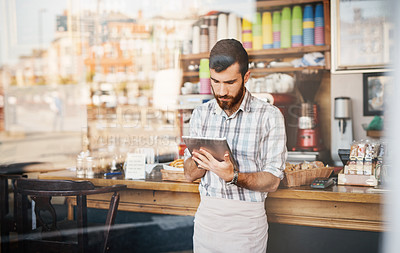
225,53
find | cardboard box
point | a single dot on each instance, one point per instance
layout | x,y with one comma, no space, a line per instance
361,180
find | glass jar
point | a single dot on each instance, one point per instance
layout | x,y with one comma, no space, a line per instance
80,168
89,167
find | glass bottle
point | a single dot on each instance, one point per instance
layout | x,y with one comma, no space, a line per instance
89,167
80,169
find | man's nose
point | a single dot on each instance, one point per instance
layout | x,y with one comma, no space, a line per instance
223,90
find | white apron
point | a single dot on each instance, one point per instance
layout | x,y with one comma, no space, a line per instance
224,225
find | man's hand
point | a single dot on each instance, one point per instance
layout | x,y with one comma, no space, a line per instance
192,172
206,161
256,181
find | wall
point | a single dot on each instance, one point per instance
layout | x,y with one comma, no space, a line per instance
350,85
323,99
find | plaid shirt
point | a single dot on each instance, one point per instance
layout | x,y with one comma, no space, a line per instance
256,136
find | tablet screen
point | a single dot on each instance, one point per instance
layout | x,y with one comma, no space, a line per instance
217,147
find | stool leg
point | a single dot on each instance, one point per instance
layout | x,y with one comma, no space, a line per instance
82,223
4,236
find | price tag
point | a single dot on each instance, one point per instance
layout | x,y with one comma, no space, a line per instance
135,166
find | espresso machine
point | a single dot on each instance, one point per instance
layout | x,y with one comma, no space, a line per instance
342,127
308,144
308,129
308,132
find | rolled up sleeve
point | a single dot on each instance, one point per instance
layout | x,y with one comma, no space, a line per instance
273,147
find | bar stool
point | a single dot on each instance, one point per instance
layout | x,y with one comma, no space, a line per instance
7,220
62,236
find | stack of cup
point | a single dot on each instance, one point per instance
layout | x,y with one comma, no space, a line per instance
239,29
297,26
286,28
319,37
212,31
308,26
267,30
222,28
204,75
257,32
247,34
196,40
276,29
233,27
204,39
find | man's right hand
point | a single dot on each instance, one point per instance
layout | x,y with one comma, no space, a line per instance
192,172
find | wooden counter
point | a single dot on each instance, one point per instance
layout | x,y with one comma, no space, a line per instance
344,207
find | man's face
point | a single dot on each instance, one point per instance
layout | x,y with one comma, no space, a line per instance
228,86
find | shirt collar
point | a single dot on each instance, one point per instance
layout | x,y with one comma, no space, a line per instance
244,106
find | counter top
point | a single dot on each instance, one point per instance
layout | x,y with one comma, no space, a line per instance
131,184
337,193
344,207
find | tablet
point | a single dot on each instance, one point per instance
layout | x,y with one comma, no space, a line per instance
217,147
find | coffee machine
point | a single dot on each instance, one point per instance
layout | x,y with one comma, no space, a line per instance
342,128
308,132
308,129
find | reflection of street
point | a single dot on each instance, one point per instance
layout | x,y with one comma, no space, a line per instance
45,109
51,121
57,148
35,116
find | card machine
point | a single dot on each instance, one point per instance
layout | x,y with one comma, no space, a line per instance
322,182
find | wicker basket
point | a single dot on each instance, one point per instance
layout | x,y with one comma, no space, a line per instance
174,175
305,177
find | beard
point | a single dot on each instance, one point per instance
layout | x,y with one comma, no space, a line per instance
233,100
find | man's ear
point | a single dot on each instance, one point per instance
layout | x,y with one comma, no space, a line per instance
246,76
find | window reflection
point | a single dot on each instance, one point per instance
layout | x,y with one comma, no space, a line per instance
109,51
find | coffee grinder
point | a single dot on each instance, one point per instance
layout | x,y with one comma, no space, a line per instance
308,129
342,128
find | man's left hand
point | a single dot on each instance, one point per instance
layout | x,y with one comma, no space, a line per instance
206,161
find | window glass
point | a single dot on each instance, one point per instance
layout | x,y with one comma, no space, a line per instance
67,51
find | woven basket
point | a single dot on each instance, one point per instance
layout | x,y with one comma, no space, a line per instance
174,175
305,177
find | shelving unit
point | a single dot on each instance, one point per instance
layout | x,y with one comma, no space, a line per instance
267,55
276,3
277,54
272,52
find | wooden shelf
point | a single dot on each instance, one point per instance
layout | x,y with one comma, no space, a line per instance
194,56
275,3
286,69
268,52
289,51
191,74
374,133
266,70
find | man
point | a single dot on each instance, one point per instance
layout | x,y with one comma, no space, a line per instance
231,215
